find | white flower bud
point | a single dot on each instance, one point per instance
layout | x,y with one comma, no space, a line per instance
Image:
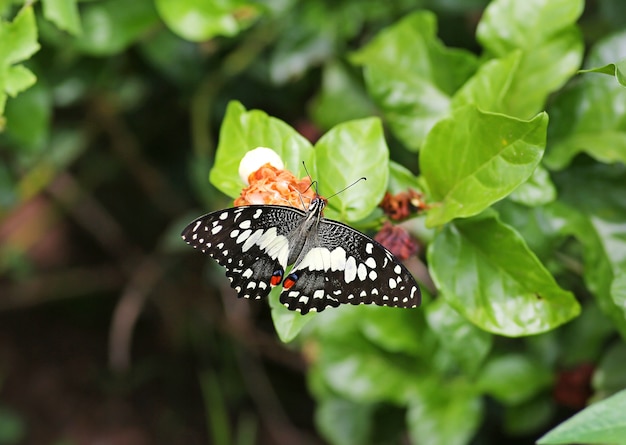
254,159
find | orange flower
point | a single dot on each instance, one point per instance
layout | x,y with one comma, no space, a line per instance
270,185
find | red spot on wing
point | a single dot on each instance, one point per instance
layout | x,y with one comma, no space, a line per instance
288,282
276,277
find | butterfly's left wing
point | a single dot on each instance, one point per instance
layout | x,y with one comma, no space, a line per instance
347,266
249,241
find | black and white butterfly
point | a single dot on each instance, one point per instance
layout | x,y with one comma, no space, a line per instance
332,262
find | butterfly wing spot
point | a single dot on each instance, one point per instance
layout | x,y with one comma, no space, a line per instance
373,275
257,214
243,236
349,273
369,248
362,272
245,224
392,283
215,230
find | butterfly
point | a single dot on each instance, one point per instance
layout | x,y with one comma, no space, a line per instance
332,262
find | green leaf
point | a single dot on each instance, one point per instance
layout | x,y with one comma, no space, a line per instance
359,371
22,35
473,159
465,342
17,79
64,14
551,47
617,69
590,116
486,272
609,375
341,98
356,421
529,417
602,422
538,190
347,152
395,330
198,20
111,26
444,414
401,179
243,131
489,88
288,323
513,378
28,118
411,75
596,197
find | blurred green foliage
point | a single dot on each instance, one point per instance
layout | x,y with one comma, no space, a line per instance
112,110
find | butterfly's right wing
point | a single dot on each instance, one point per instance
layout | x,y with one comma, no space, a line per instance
249,241
348,267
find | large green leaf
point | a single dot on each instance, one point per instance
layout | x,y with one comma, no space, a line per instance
198,20
550,43
444,413
411,75
243,131
601,423
347,152
590,117
486,271
473,159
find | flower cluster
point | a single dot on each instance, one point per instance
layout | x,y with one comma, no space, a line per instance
270,185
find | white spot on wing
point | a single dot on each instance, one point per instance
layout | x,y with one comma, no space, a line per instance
338,259
362,271
392,283
349,274
244,236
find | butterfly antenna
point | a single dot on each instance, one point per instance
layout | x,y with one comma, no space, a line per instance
362,178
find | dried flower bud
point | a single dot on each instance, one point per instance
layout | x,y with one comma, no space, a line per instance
401,205
397,240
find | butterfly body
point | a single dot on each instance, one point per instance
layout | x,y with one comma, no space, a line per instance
332,262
